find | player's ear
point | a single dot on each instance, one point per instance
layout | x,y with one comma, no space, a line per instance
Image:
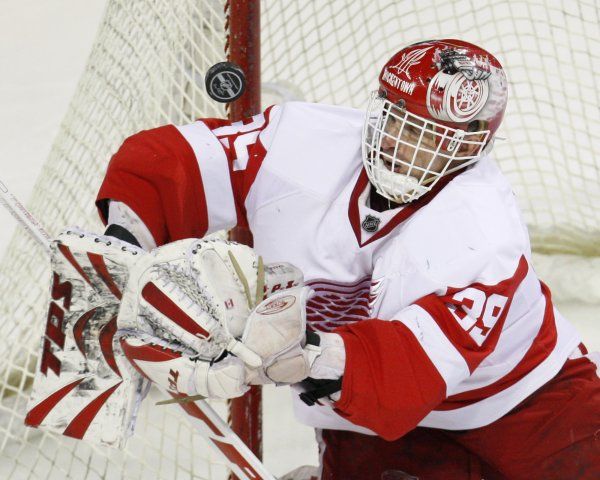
468,149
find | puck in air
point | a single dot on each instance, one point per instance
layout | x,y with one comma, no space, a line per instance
225,82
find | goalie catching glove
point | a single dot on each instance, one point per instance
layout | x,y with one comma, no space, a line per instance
184,309
275,332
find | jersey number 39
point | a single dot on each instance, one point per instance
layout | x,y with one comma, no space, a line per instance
476,312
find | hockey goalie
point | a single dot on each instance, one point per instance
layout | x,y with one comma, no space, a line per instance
433,350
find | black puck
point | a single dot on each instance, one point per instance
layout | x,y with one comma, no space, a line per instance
225,82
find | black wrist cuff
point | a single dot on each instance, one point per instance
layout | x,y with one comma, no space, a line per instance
316,389
117,231
312,338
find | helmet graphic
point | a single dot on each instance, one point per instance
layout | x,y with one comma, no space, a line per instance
437,109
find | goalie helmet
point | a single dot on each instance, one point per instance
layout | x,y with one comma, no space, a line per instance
438,106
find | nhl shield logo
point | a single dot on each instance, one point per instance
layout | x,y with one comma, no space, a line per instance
370,224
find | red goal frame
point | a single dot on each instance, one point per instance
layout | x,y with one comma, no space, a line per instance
242,46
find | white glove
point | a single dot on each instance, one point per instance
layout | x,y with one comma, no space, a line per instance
328,365
330,361
175,371
276,331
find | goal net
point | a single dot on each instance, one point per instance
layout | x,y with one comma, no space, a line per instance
147,68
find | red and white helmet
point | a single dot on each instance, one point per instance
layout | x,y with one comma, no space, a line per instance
437,109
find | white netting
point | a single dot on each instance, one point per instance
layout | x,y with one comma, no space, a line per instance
147,68
332,51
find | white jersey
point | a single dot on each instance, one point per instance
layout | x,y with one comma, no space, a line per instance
451,271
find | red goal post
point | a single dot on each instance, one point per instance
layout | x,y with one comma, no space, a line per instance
243,48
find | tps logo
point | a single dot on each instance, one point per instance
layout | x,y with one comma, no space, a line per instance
55,335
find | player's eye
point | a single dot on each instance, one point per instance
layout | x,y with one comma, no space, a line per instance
412,129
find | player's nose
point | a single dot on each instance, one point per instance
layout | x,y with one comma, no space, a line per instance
401,152
405,151
387,144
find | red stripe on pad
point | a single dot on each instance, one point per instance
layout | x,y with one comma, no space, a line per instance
99,265
231,452
235,457
146,352
83,420
37,414
106,344
155,297
78,328
69,256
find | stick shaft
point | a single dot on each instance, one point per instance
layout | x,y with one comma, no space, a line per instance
24,217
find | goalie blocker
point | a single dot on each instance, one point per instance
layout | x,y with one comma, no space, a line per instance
82,387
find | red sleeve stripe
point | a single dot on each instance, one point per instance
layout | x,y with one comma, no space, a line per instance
390,383
259,151
542,346
212,161
441,309
448,361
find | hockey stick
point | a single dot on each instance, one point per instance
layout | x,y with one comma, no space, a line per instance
28,221
238,457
